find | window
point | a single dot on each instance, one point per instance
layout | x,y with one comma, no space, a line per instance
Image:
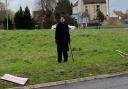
97,7
86,9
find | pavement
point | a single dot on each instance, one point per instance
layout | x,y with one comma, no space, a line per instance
118,82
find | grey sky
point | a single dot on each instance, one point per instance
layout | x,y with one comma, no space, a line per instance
15,4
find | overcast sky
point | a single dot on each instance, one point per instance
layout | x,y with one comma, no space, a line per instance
15,4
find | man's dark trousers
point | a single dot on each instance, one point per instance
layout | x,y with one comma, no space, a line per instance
62,50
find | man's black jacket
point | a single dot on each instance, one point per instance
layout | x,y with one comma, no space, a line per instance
62,35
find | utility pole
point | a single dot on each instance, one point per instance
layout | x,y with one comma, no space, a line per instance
127,14
7,13
108,8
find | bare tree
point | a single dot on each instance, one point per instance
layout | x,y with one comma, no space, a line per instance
48,4
47,8
2,12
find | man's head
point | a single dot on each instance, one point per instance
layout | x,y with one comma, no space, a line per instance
62,19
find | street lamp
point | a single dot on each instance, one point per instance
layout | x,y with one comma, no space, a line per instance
7,13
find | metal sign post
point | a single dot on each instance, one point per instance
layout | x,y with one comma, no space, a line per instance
7,14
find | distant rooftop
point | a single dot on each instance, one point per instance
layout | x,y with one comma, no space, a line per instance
91,2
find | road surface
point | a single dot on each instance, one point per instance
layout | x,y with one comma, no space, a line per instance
120,82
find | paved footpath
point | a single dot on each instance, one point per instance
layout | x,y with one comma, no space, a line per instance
120,82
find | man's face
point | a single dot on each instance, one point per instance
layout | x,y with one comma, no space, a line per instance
62,19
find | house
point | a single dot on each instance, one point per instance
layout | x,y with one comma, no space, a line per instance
86,10
122,15
117,17
119,14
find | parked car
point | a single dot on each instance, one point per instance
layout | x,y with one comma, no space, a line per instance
125,21
94,23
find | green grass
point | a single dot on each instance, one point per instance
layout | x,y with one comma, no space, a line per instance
32,54
114,26
118,26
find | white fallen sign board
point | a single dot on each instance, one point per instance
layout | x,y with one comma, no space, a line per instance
14,79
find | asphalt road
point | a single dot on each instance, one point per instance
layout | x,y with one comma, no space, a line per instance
120,82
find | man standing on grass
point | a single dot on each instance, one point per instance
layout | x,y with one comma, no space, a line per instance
62,38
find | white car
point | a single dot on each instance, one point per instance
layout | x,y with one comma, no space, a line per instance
70,27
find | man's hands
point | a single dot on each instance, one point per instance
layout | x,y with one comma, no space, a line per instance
69,41
56,41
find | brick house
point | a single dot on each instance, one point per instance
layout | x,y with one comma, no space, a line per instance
86,10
